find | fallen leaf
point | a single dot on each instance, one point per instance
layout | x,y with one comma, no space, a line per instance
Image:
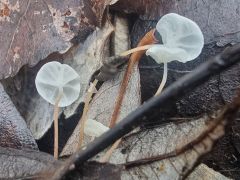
24,164
97,171
14,132
216,18
93,170
36,111
203,172
217,21
172,150
31,30
101,107
87,58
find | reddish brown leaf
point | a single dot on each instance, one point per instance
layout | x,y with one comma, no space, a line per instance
31,30
24,163
216,18
13,129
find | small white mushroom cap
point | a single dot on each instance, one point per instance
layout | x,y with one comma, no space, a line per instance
182,40
54,78
94,128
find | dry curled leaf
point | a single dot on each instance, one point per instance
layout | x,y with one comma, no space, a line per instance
202,172
87,58
20,164
101,107
37,112
31,30
217,19
13,129
168,152
97,171
93,170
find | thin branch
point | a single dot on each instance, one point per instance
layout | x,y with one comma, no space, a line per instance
150,109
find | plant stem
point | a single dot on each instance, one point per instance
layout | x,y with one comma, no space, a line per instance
85,111
55,117
140,48
164,79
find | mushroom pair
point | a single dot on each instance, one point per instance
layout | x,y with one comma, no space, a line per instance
59,84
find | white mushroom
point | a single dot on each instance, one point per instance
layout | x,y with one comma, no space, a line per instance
59,85
182,41
55,78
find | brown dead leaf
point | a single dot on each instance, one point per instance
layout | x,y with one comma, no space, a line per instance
97,171
102,103
101,107
93,170
202,172
172,150
13,129
217,19
20,164
31,30
87,58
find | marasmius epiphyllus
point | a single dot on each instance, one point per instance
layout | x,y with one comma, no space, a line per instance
58,84
178,38
55,79
182,40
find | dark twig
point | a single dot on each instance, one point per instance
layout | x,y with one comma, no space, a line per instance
227,58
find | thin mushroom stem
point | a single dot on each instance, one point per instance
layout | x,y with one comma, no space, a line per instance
164,79
140,48
85,111
55,117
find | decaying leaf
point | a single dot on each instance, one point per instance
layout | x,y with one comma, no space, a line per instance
13,129
216,18
93,170
101,107
31,30
168,152
217,21
87,58
36,111
24,163
97,171
202,172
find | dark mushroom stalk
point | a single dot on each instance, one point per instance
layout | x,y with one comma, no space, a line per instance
59,85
